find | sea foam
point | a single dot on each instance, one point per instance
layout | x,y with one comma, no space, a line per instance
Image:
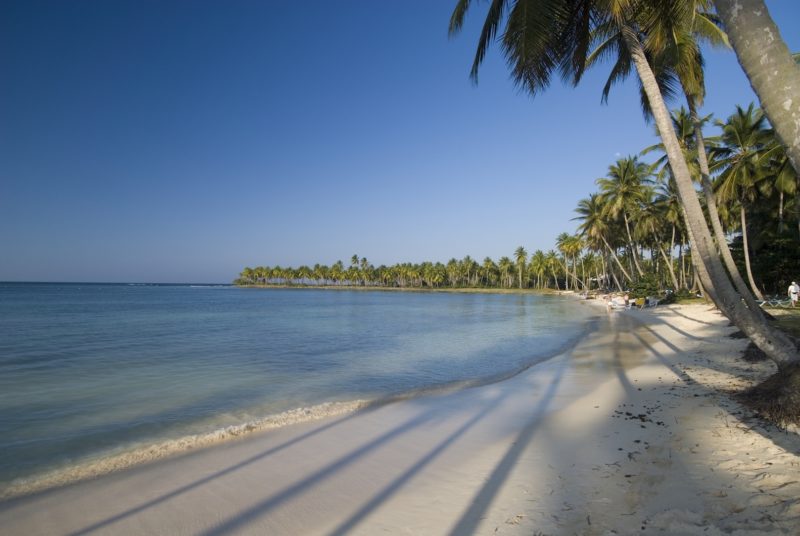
148,453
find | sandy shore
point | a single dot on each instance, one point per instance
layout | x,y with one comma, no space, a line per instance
631,430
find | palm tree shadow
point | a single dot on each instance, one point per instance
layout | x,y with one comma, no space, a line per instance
766,430
678,330
197,483
677,312
381,497
237,522
471,518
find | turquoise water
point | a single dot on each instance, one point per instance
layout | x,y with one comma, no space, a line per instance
89,370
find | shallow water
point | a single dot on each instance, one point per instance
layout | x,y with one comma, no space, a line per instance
88,371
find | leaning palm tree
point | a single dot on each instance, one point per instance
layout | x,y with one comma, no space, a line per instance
542,36
769,66
673,38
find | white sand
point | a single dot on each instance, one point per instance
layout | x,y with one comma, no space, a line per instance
630,430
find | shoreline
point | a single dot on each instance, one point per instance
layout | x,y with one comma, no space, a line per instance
634,428
457,290
131,457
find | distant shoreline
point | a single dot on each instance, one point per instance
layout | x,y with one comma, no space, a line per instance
463,290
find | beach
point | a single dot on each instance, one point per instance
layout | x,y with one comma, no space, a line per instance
633,429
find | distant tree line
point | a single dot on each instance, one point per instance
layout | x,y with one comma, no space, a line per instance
632,233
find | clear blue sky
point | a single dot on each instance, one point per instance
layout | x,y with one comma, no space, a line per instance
181,141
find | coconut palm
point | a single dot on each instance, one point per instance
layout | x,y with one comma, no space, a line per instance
520,257
623,192
769,66
489,271
783,177
595,227
673,37
505,266
538,267
542,36
553,266
744,167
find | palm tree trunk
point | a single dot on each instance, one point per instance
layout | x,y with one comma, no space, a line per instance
713,213
632,245
683,267
699,270
769,66
747,255
667,260
619,287
776,344
616,259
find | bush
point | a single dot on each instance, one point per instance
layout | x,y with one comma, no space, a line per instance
648,285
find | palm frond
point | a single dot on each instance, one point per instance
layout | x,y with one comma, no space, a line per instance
708,27
457,18
531,42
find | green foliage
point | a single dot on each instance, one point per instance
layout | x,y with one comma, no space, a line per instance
775,263
647,285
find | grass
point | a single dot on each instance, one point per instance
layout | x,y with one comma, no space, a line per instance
787,319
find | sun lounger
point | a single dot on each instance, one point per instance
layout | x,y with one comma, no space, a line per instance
775,302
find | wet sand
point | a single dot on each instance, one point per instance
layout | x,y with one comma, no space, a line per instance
630,430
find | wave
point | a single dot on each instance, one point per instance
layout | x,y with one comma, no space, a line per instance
108,464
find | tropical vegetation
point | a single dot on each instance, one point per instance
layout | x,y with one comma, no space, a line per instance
681,222
631,235
660,42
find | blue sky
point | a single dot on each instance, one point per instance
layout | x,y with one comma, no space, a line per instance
155,141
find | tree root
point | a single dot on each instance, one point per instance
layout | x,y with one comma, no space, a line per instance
776,399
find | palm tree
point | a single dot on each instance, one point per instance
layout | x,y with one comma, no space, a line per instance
744,139
783,177
769,66
541,36
553,265
573,247
521,257
453,275
538,266
365,268
489,270
505,266
562,245
595,227
623,192
672,39
247,275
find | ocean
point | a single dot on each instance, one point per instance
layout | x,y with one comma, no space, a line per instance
94,372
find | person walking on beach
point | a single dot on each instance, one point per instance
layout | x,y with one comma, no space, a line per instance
794,290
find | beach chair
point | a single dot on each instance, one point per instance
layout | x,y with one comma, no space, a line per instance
617,304
776,301
652,302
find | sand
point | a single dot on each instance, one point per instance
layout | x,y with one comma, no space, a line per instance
632,430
